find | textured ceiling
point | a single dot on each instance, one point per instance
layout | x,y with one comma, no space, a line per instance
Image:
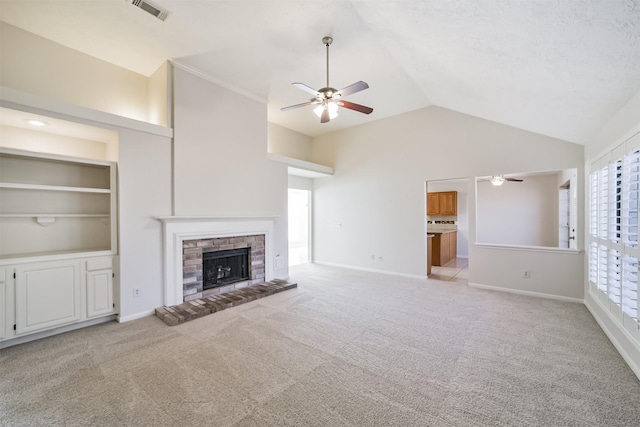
560,68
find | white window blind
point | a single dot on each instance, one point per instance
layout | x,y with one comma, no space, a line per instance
613,228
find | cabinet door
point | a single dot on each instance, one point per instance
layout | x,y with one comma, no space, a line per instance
99,293
47,295
445,255
453,245
448,203
433,204
3,304
436,253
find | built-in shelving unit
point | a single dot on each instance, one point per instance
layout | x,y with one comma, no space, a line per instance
57,242
53,204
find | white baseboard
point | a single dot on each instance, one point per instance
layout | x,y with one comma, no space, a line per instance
370,270
123,319
622,340
528,293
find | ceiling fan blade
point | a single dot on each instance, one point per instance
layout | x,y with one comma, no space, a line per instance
306,88
513,179
356,107
356,87
325,116
304,104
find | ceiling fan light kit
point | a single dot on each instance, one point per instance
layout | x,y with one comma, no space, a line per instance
329,100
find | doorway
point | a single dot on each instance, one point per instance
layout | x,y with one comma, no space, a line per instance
447,230
299,231
566,219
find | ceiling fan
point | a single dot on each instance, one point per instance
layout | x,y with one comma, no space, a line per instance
498,180
327,99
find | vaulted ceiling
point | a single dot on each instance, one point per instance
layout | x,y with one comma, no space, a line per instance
558,68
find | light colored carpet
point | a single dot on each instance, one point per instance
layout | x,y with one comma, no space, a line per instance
344,348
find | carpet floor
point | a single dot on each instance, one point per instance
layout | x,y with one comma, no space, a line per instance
346,348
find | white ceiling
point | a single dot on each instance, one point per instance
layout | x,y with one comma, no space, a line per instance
560,68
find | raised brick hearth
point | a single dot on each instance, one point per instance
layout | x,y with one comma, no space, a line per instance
192,251
191,310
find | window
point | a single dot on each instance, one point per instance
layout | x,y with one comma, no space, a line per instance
613,232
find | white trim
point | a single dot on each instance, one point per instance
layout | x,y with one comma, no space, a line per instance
621,339
302,168
178,229
136,316
370,270
527,293
22,101
528,248
229,217
214,80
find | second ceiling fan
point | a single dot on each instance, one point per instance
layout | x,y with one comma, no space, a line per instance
328,99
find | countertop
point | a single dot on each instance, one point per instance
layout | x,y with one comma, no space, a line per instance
441,232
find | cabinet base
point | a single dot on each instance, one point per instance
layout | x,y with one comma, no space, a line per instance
39,335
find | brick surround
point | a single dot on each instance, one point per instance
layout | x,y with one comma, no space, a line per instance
192,251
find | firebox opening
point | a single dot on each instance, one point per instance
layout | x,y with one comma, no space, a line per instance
220,268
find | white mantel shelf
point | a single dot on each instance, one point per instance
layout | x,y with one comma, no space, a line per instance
216,218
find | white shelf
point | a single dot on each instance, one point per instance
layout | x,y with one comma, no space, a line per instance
54,188
302,168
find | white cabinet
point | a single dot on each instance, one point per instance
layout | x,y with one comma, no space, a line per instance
3,304
99,293
58,239
47,295
99,287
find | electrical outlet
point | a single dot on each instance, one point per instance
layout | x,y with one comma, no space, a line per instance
137,292
379,257
526,274
373,257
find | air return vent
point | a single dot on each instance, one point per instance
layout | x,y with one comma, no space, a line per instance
151,8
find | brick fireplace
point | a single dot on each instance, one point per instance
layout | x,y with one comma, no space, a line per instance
193,252
200,234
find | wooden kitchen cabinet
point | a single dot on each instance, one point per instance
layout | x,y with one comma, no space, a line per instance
433,205
442,203
444,248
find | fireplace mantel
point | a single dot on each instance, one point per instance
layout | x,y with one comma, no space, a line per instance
177,229
217,218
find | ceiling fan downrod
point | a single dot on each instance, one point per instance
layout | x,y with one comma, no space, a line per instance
327,42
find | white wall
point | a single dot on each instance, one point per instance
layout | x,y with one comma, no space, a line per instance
377,192
462,219
144,193
519,213
220,163
39,66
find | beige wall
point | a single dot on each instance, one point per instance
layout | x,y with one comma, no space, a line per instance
376,194
519,213
42,142
41,67
287,142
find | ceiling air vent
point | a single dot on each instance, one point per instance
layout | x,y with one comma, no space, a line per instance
151,8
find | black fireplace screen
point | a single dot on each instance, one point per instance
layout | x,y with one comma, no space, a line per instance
222,268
